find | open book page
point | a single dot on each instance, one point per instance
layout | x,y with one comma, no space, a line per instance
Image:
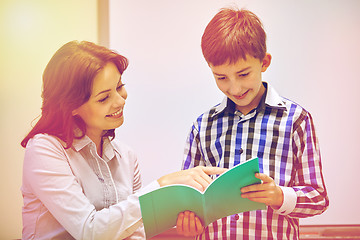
161,207
221,198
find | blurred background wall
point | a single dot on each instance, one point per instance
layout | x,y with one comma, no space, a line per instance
31,32
315,49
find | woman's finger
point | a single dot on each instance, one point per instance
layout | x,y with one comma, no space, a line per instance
214,170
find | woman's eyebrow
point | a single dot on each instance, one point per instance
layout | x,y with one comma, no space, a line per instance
104,91
108,90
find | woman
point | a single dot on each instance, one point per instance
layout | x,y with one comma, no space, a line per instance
78,182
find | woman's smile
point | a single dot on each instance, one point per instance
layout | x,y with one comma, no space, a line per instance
117,114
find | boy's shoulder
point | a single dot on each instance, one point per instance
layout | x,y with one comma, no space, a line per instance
294,109
274,101
213,111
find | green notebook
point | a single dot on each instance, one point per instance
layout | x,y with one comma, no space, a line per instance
221,198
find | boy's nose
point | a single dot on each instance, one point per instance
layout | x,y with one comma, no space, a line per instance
235,88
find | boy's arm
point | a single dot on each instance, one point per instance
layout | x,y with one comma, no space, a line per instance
192,152
309,183
307,196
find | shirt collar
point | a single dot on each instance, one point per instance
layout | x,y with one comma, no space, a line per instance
270,99
273,99
108,148
79,144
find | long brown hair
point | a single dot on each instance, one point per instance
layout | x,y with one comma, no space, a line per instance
67,84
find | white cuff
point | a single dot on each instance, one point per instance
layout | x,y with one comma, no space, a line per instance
289,202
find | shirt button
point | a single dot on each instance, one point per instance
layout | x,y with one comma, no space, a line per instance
241,150
236,217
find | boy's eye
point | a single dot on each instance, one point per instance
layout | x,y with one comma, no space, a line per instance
220,78
243,74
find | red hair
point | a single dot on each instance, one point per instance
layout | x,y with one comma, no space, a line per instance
231,35
67,84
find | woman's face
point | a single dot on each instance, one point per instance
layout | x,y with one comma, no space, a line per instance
104,109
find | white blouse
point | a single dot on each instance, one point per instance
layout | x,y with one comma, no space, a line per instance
75,194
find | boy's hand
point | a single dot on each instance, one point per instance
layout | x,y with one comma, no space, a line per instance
266,192
188,224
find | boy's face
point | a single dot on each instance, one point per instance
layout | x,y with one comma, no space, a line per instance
241,82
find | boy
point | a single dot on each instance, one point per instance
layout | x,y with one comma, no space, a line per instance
254,121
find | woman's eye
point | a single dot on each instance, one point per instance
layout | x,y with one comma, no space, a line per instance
120,87
103,99
220,78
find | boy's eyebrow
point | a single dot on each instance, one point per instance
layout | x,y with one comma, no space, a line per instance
243,70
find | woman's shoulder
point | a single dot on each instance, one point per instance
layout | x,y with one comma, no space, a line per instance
45,138
44,141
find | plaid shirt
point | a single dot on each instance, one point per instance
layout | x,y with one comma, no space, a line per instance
281,134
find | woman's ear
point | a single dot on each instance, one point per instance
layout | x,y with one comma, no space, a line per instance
266,62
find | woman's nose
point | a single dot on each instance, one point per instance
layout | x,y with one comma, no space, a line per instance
120,98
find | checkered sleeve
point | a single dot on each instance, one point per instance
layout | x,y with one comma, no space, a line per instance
309,186
192,152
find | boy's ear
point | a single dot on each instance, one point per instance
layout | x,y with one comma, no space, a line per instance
266,62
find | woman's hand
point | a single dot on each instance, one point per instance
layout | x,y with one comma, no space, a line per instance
197,177
266,192
188,224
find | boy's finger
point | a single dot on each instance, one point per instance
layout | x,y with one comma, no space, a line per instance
199,226
263,177
179,223
252,188
192,223
185,226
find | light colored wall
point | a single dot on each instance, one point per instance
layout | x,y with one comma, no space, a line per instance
31,32
315,48
314,45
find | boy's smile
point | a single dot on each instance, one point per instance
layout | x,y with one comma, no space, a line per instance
241,96
241,81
